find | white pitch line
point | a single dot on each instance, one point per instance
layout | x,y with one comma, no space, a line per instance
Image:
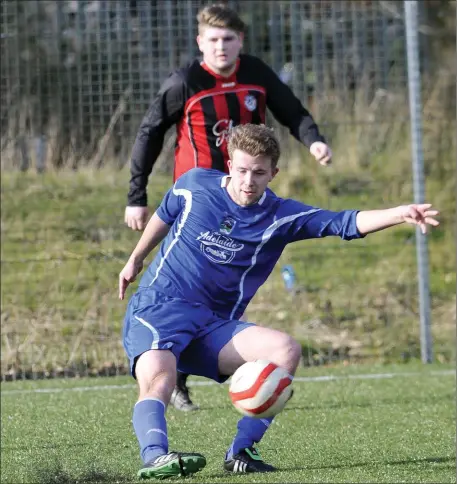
301,379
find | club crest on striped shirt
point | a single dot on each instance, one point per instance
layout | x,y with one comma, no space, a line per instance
250,102
227,225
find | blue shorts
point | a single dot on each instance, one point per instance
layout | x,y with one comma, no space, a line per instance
191,331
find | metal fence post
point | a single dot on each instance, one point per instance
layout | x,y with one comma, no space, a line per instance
414,86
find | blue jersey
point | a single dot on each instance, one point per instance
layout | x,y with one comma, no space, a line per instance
218,253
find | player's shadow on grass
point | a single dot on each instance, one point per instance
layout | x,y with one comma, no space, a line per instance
55,474
426,460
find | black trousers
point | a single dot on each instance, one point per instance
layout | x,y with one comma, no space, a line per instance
181,379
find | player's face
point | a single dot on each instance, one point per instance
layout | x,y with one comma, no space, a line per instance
249,177
220,49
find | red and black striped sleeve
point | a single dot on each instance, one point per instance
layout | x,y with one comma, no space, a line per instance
288,109
165,110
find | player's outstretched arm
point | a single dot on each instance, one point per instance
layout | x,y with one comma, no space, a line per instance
154,233
416,214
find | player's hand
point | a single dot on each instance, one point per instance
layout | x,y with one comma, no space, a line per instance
321,152
136,217
128,275
420,214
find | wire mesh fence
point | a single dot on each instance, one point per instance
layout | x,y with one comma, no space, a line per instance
77,76
76,79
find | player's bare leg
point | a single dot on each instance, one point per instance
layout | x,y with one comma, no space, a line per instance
252,344
155,372
259,343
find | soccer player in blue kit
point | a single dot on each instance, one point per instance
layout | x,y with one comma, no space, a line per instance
222,235
203,100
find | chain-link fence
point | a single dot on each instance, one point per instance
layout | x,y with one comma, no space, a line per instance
77,76
76,79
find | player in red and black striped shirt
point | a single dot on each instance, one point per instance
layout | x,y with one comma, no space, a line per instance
204,100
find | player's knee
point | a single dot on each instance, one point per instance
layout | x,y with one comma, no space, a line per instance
289,353
293,351
155,372
157,385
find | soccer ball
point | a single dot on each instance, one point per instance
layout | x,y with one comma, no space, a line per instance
260,389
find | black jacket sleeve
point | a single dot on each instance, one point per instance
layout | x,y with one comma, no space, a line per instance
288,110
165,110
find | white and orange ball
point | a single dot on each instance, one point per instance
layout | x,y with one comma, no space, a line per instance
260,389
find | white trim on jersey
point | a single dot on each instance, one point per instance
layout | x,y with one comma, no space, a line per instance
155,334
265,238
187,194
262,198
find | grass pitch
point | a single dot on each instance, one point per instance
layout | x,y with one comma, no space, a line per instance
346,424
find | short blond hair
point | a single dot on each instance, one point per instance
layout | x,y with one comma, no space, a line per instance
255,140
220,16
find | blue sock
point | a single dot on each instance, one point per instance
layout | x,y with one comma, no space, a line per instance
150,428
250,431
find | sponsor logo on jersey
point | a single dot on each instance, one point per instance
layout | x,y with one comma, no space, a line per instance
221,130
217,247
250,102
227,225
